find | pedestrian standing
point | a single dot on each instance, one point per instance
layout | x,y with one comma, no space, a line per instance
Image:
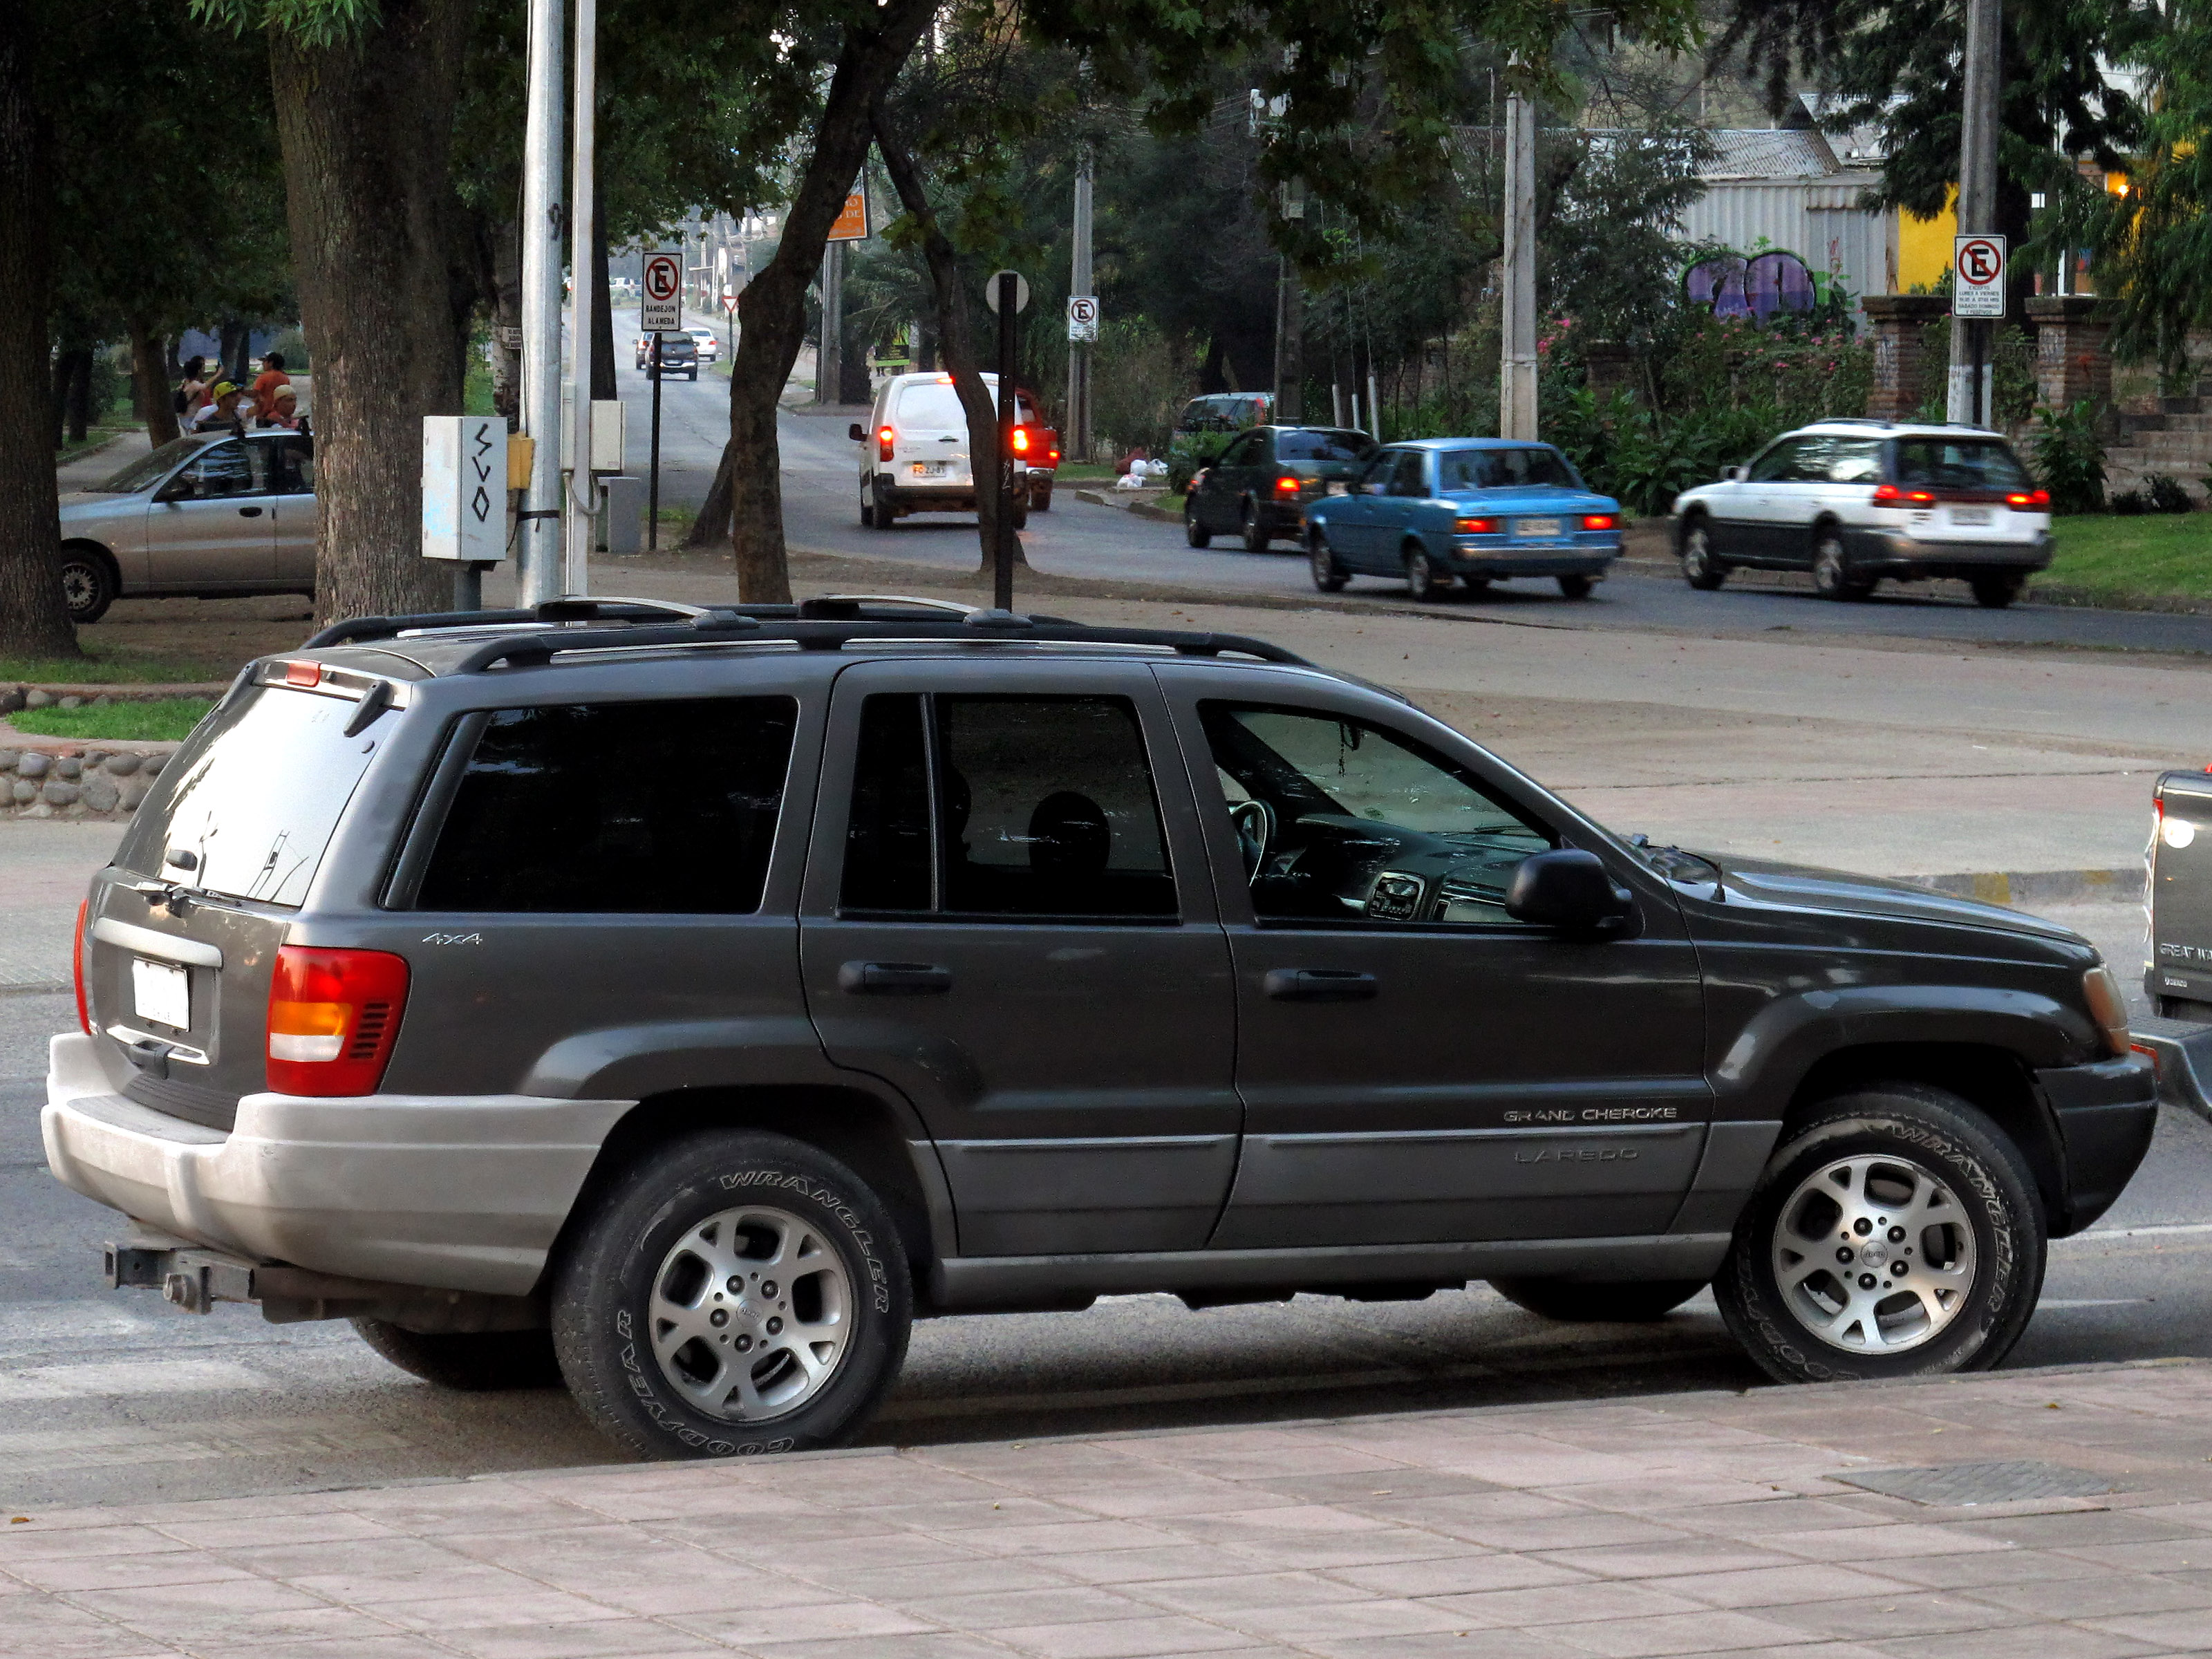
283,410
272,376
192,391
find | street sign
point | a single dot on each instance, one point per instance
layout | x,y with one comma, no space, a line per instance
1083,317
1978,269
730,300
661,301
510,336
1021,290
852,221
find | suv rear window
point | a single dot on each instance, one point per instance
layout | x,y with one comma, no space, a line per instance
621,807
253,795
1958,464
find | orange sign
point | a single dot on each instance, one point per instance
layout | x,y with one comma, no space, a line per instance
851,224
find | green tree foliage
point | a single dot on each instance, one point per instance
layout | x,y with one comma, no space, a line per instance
2158,250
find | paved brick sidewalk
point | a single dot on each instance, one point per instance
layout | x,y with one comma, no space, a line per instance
1689,1525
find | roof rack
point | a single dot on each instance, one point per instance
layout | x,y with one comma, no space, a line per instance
826,623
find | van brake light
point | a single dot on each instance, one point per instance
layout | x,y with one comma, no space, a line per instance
884,437
333,1017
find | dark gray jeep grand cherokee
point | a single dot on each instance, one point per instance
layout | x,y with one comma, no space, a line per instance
688,1000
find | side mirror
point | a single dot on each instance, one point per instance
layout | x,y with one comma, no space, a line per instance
1732,474
857,433
1569,890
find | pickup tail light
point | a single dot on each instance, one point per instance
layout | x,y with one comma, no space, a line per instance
884,437
2029,501
333,1017
2108,1008
1286,486
1598,521
1475,527
1021,440
1889,494
1053,455
76,971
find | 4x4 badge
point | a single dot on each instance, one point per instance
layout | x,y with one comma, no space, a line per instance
452,938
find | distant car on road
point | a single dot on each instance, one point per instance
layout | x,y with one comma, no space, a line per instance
1854,501
1259,486
1037,447
913,452
1471,510
1204,428
680,354
206,516
708,342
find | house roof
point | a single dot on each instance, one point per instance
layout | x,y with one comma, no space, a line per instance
1780,154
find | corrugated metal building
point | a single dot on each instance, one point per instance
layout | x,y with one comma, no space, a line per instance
1787,188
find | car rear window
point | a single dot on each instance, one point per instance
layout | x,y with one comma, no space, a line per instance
663,807
1503,468
1958,464
252,796
1319,446
933,407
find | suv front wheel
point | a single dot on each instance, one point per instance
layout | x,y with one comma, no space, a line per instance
1898,1234
1699,568
737,1293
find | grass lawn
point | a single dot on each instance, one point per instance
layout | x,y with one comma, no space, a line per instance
160,720
2152,555
99,667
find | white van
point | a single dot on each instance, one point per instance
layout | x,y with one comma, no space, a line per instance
913,452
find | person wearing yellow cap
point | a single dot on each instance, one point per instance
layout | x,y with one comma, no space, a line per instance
222,410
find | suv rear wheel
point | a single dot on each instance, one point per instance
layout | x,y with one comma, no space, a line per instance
1898,1234
1255,533
1193,531
736,1293
477,1361
1623,1303
1832,570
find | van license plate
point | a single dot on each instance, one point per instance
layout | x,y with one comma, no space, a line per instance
930,469
162,994
1536,526
1970,515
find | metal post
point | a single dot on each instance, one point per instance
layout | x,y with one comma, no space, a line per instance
1290,346
583,490
1517,388
1002,549
828,368
1978,194
652,478
537,555
1079,351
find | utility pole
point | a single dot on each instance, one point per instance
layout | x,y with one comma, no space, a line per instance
1079,351
583,488
1517,370
828,361
1291,321
1967,401
537,557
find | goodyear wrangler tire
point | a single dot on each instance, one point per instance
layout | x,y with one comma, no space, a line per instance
1896,1234
738,1293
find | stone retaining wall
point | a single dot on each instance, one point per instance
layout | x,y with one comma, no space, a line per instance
52,779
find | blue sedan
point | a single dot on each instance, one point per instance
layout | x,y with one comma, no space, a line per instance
1477,510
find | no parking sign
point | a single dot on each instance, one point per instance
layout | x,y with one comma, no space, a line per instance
1978,269
661,301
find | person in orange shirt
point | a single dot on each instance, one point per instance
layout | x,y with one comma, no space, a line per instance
272,376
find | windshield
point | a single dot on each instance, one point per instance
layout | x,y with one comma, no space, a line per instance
1504,469
1959,464
149,470
1316,444
254,794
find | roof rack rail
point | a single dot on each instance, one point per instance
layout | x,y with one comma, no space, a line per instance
535,650
574,609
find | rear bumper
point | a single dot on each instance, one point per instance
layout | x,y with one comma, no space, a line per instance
1882,552
1534,561
2106,1114
461,1193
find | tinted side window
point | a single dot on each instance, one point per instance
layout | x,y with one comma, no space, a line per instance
1408,479
290,465
1044,806
1854,461
1322,445
638,807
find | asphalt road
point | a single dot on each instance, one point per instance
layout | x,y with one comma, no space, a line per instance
1077,538
112,1396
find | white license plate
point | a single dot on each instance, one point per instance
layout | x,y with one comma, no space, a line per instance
1970,515
162,994
1535,526
930,469
1338,487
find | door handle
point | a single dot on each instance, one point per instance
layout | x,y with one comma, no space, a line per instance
249,512
1319,985
894,979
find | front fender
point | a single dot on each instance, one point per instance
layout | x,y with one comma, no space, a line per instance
1772,1054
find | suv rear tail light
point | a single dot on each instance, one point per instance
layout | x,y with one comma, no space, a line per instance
884,443
76,969
2030,500
1286,486
333,1015
1475,527
1598,521
1889,494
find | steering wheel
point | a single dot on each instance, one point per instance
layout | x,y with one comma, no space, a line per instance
1254,822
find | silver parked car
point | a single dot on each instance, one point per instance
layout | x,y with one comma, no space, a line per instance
209,515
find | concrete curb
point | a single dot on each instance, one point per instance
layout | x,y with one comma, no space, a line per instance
1134,508
2014,887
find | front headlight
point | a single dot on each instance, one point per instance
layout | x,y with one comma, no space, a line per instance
2107,1008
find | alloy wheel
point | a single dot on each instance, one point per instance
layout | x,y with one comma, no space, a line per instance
750,1313
1873,1255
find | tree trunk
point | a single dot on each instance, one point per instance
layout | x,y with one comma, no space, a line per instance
506,240
957,337
149,383
33,621
76,394
773,308
712,527
367,127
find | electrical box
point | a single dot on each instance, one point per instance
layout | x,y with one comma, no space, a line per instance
607,435
521,456
465,488
621,517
